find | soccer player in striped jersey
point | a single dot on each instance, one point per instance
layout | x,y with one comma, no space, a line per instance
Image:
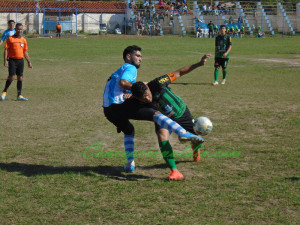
9,32
222,49
163,99
119,110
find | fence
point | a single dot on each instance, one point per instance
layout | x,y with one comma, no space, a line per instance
147,22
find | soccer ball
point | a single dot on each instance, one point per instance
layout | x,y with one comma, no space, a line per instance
202,125
50,36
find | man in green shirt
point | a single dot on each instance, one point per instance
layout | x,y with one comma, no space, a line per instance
222,49
210,29
242,31
157,93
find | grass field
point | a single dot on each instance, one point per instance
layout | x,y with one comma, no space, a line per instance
45,178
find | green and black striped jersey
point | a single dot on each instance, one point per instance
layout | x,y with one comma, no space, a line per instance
164,99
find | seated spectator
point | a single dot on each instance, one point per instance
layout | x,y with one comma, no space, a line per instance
132,4
260,35
161,4
184,9
179,7
204,8
209,10
146,4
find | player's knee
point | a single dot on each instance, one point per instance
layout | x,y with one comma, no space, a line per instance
10,78
20,78
162,135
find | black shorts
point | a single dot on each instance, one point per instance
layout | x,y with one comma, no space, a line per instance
58,31
119,114
15,67
186,121
221,62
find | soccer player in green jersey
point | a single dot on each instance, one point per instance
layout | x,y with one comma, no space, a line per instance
222,49
169,104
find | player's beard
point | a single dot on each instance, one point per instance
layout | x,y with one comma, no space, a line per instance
133,63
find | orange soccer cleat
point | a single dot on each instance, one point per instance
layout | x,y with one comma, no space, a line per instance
175,175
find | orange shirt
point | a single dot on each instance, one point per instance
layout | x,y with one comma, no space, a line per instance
16,47
58,27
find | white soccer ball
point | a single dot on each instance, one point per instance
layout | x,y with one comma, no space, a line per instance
50,36
202,126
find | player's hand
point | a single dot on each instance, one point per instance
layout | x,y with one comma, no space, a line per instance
225,54
30,65
6,63
127,96
205,58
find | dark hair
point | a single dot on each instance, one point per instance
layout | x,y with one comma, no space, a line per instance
138,89
222,26
10,21
18,25
130,50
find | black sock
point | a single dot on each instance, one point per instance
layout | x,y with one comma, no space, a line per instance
8,82
19,87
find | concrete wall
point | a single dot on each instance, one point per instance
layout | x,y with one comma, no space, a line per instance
86,22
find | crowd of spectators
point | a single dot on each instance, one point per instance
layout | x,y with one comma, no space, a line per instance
217,9
147,15
178,5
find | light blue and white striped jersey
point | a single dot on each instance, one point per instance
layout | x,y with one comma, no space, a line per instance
113,93
7,34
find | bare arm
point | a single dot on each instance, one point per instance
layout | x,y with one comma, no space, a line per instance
28,59
1,42
125,84
186,69
227,52
5,58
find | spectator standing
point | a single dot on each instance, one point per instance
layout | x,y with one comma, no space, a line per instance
210,29
58,29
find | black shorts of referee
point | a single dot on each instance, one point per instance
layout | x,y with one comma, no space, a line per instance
15,67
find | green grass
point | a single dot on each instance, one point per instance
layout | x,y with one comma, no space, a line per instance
45,179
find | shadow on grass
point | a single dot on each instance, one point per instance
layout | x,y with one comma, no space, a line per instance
178,83
161,166
30,170
292,178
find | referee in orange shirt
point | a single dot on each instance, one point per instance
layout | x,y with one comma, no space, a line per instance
14,52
